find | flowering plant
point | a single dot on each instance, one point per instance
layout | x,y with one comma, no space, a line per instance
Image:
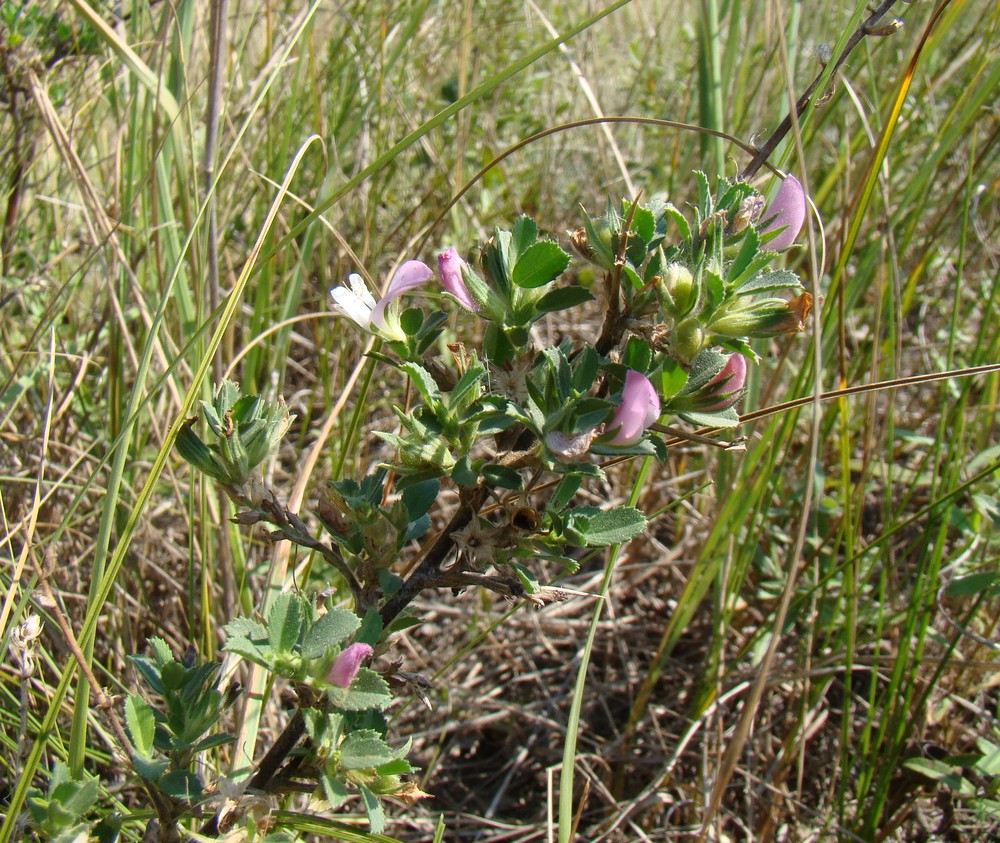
509,421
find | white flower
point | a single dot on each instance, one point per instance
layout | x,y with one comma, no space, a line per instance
355,302
358,304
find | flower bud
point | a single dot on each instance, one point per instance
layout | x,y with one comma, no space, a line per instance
677,289
687,339
346,665
450,266
727,386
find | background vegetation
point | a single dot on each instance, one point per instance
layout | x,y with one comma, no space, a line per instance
141,157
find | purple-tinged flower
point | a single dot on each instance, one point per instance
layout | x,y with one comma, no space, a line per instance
640,407
727,386
450,266
788,211
346,665
357,303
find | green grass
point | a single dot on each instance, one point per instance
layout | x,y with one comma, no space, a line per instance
350,130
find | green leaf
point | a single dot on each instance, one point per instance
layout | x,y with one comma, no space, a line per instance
149,769
638,355
364,749
213,741
757,262
585,369
778,279
673,380
141,723
562,298
423,381
564,492
539,265
989,764
247,649
368,690
197,453
679,220
376,813
334,791
524,236
181,784
371,628
410,321
940,771
466,472
74,796
330,630
149,671
502,476
727,418
174,676
468,387
614,526
420,497
747,252
161,651
397,767
973,584
643,222
284,622
528,579
496,346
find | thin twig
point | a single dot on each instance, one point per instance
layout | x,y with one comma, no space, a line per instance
430,565
868,27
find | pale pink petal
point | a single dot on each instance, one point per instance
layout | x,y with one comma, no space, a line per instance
346,665
640,407
411,274
789,211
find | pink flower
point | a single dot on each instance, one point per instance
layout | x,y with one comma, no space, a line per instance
727,386
346,665
789,212
640,407
450,265
357,303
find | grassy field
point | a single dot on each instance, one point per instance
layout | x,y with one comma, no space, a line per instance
803,646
